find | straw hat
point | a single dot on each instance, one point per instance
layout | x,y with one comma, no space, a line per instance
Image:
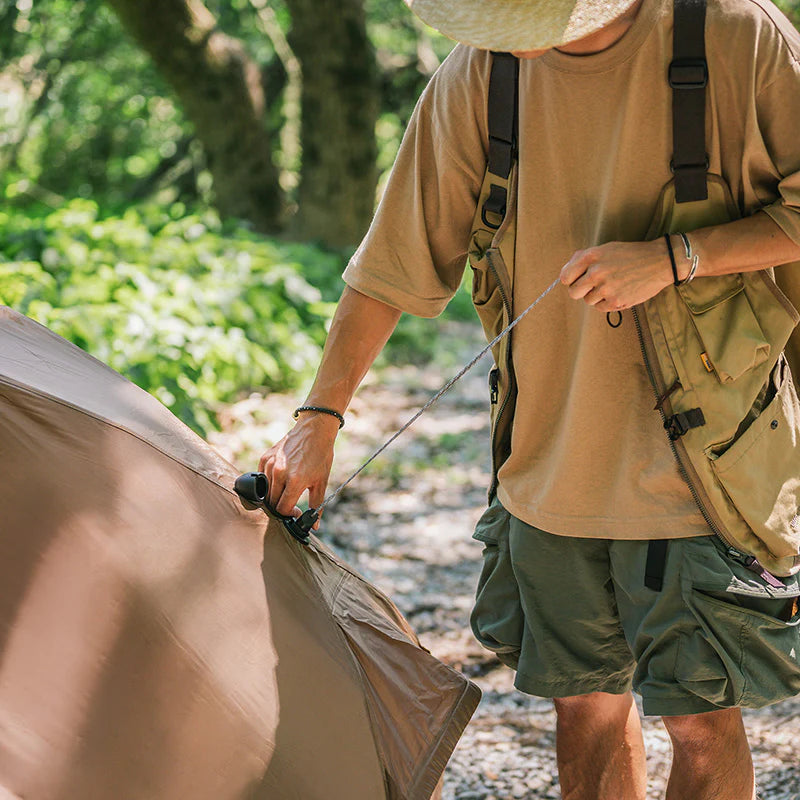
517,24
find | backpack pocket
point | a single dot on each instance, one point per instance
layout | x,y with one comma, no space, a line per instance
760,470
488,269
732,339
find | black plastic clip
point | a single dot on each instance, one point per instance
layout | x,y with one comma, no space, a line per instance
688,73
253,488
678,424
495,204
494,385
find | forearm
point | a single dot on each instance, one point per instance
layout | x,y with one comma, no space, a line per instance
619,275
744,245
302,459
361,327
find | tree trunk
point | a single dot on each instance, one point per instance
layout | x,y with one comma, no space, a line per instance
340,104
220,90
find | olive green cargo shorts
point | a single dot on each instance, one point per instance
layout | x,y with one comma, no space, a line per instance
573,616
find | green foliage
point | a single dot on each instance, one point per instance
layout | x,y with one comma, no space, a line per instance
194,311
86,114
83,112
407,52
791,8
423,341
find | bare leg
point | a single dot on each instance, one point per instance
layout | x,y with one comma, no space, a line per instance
599,748
711,758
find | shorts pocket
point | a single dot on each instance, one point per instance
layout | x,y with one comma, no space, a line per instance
497,619
742,649
760,471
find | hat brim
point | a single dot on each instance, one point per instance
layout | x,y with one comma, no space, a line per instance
517,25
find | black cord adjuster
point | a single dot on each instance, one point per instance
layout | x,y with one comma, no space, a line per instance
253,488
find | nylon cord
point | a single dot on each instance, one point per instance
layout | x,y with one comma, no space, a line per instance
438,394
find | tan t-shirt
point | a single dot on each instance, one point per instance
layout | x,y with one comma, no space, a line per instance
589,455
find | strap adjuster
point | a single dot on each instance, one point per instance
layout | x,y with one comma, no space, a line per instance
688,73
673,168
679,424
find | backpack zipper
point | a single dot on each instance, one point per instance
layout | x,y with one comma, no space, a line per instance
507,396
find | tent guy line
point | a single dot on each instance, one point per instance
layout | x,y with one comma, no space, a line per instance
253,487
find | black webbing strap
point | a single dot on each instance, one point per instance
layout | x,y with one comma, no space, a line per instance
654,567
688,77
502,124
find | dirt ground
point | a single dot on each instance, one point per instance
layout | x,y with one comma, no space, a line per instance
406,524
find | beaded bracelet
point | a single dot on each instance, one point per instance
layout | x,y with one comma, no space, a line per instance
321,410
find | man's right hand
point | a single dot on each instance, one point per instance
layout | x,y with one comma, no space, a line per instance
301,460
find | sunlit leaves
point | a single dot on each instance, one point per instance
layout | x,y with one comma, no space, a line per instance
193,311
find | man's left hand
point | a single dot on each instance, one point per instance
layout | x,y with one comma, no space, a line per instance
618,275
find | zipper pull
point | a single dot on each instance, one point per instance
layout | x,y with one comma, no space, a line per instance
659,406
754,565
494,383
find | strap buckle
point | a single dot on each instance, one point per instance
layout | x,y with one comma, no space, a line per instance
679,424
688,73
495,203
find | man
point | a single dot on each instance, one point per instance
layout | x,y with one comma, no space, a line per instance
589,479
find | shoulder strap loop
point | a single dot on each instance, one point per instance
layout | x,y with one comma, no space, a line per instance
502,125
688,78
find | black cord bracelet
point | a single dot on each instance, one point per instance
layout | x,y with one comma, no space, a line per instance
675,279
322,411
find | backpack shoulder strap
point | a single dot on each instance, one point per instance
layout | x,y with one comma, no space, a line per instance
502,129
688,78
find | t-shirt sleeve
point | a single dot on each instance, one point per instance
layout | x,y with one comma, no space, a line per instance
779,120
414,254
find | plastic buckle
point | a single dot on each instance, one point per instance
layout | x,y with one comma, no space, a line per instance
495,204
676,426
679,424
688,73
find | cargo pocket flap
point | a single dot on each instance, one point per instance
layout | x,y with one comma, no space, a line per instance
730,334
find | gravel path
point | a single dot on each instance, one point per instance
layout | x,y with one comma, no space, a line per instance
406,524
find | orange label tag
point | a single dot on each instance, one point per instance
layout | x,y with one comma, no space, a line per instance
706,362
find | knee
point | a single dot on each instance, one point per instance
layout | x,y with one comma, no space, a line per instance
593,706
702,731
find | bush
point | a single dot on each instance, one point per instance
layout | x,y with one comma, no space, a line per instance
192,310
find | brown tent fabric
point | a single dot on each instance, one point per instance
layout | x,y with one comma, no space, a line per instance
159,641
